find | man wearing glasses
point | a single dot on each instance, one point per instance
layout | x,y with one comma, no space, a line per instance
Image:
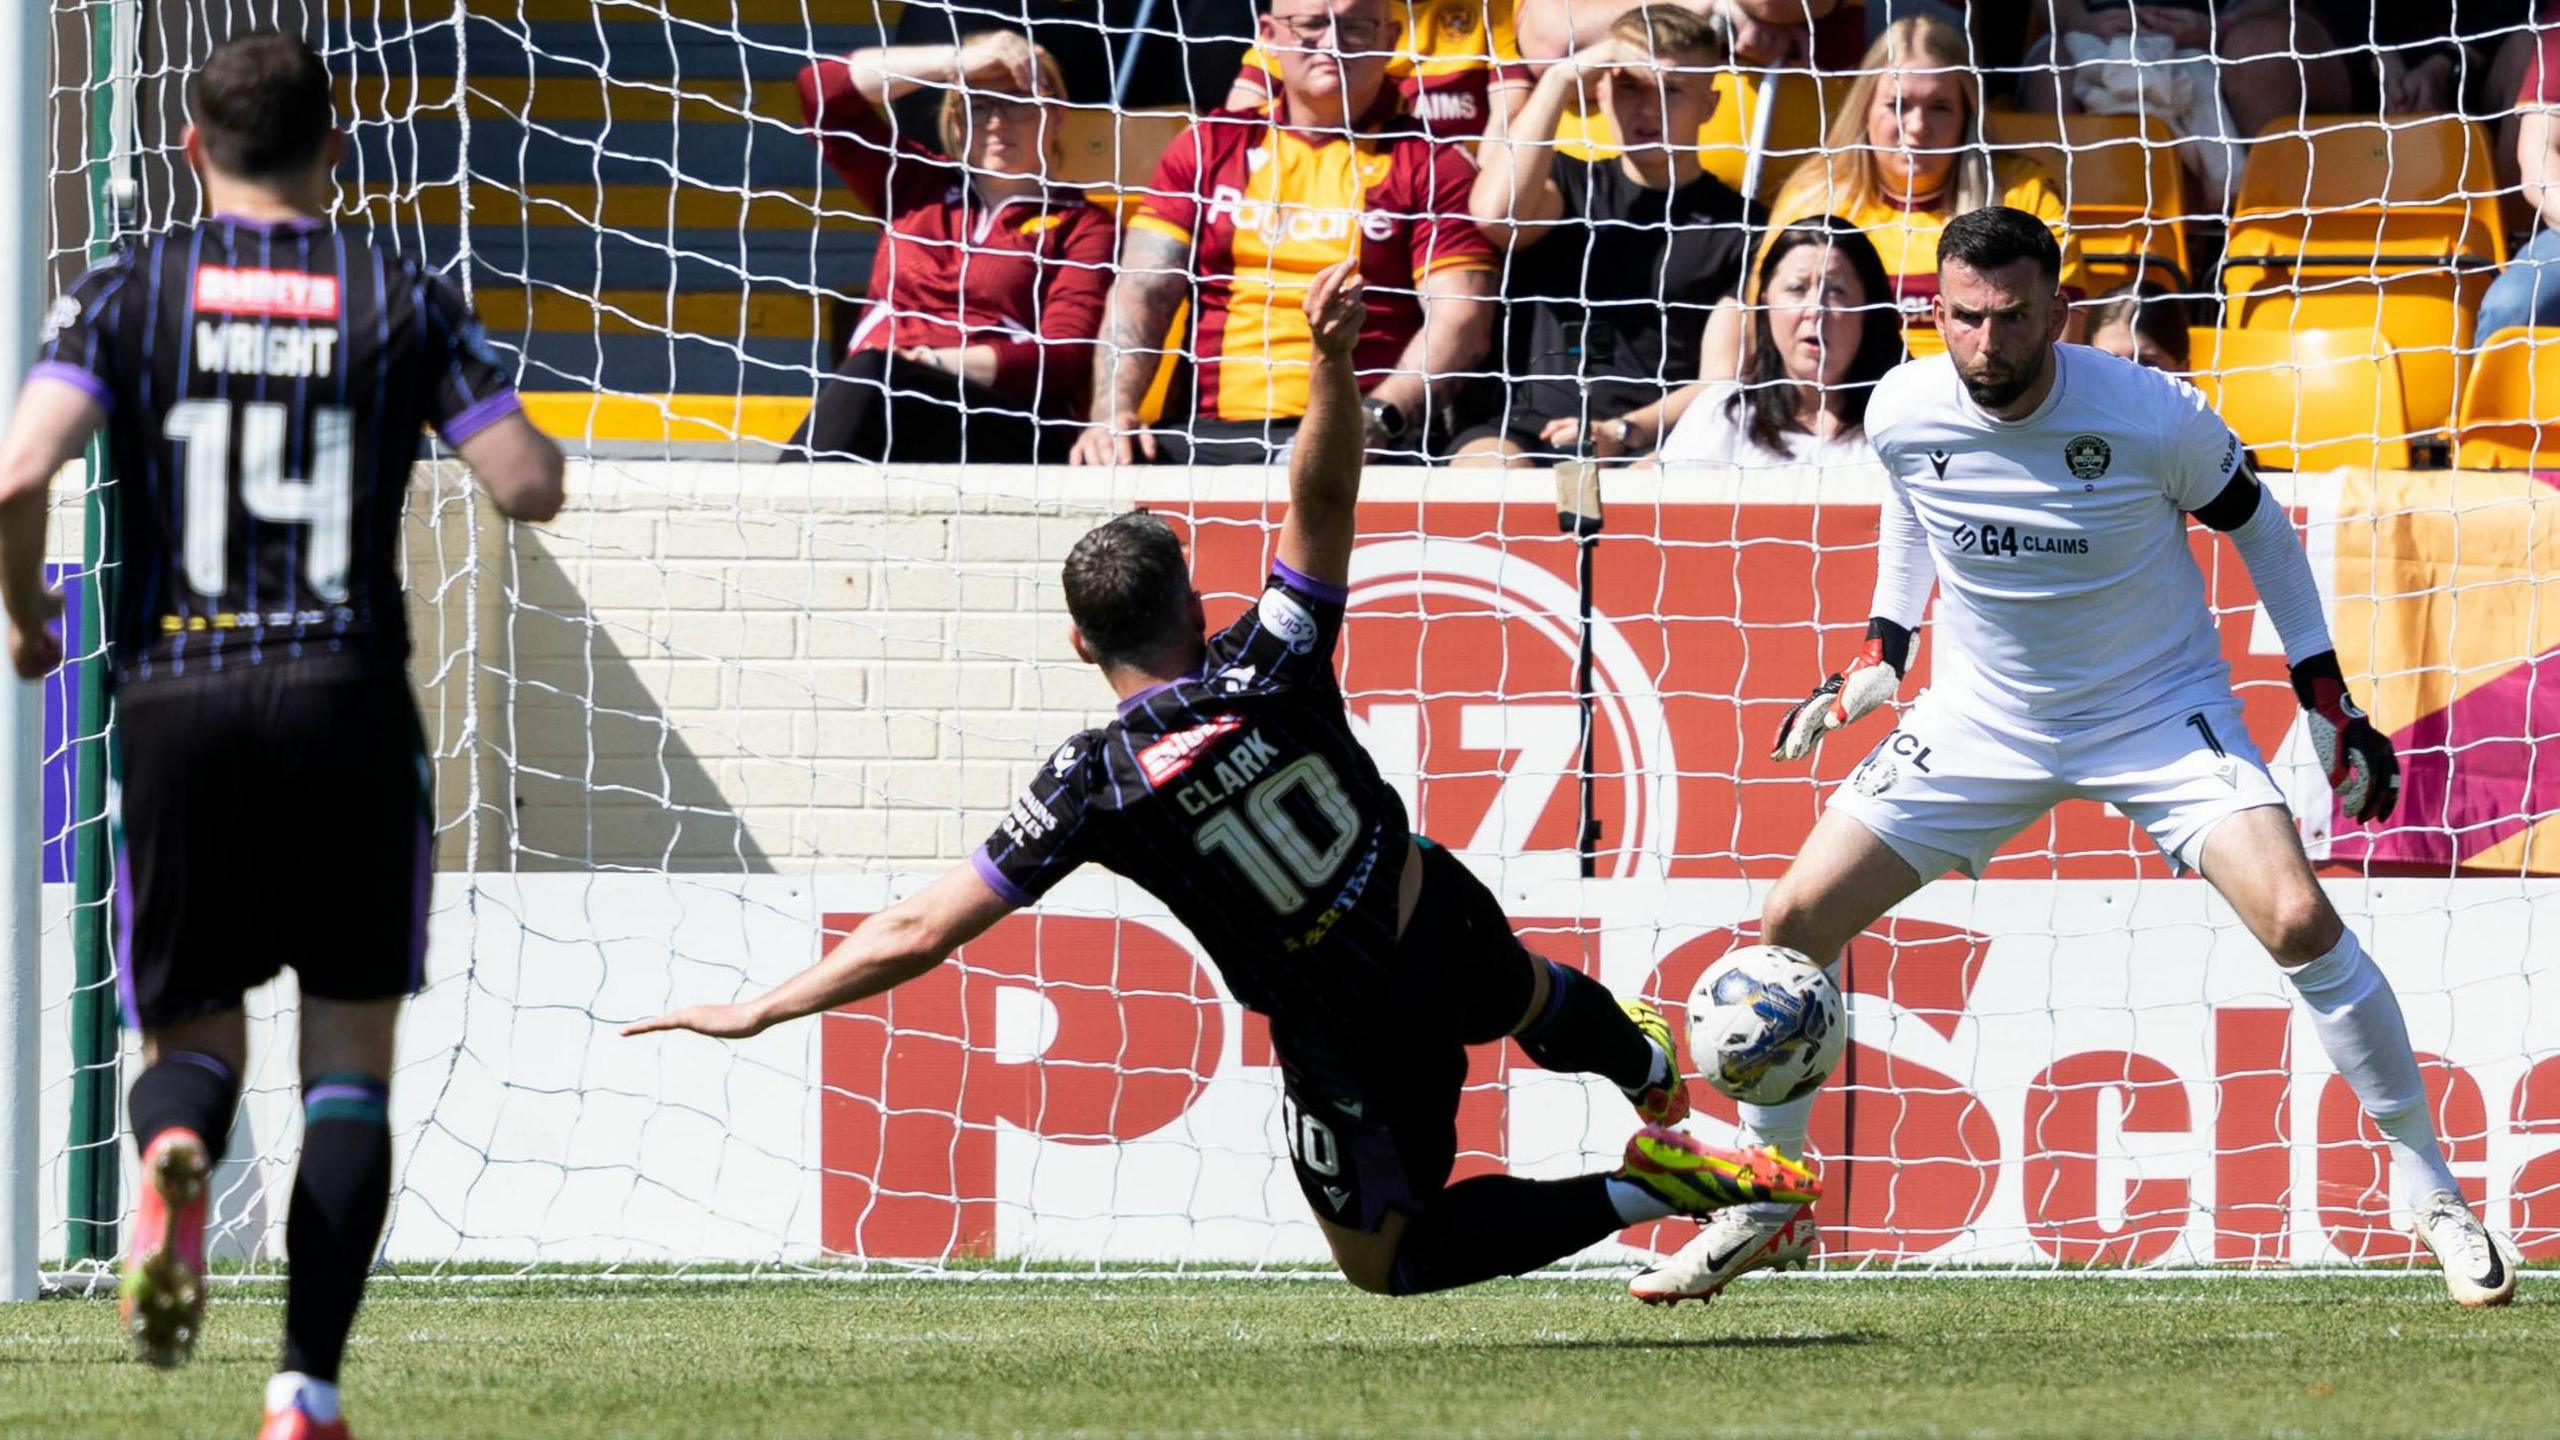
1246,208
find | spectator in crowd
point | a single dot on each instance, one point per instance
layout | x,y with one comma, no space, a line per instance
1757,32
1825,332
2527,292
2141,321
1904,157
1246,208
1457,66
2263,61
1614,265
2275,57
987,288
1182,56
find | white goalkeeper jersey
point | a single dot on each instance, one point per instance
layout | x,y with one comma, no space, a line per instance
2059,541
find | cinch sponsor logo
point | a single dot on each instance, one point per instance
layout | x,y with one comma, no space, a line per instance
1174,753
1276,223
277,294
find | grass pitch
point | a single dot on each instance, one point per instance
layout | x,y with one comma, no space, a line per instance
2346,1356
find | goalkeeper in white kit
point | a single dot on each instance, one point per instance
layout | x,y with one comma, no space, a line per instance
2043,488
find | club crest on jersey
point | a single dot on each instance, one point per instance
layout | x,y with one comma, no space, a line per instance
2088,456
1174,753
65,309
1282,615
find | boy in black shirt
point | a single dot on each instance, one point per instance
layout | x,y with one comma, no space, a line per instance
1615,267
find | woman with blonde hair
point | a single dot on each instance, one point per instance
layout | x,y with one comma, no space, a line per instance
1905,155
988,286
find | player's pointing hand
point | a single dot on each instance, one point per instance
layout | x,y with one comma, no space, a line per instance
1336,308
721,1022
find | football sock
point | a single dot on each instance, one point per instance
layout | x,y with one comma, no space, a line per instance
293,1390
2357,1018
340,1192
1491,1225
1581,1030
1784,1127
184,1090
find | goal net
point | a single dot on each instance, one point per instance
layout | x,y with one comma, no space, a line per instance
734,700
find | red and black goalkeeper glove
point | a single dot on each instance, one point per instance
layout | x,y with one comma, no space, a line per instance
2363,769
1872,679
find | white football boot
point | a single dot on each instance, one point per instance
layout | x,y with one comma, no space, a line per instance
2479,1267
1733,1244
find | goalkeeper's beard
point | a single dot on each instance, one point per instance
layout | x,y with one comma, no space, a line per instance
1997,389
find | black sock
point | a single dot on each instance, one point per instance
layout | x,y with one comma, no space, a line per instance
340,1192
1581,1030
183,1090
1500,1225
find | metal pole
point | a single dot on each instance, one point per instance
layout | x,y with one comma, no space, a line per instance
1578,515
96,1207
25,52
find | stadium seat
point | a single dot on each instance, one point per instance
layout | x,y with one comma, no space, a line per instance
2342,208
2424,316
2121,181
2310,400
2342,189
1115,154
2511,405
1804,105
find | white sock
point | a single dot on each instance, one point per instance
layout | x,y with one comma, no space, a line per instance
1636,1204
317,1398
2358,1021
1783,1127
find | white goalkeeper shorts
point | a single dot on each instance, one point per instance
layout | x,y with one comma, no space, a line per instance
1953,782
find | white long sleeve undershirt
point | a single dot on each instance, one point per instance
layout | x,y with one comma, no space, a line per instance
2280,570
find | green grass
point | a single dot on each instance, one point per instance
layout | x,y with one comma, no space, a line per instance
2346,1356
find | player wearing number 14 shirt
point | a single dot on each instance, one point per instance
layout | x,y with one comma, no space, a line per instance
2044,490
265,380
1230,787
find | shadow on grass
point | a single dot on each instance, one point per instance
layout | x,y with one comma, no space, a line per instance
1688,1342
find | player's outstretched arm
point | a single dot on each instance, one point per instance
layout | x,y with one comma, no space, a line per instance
885,951
518,465
1324,464
54,419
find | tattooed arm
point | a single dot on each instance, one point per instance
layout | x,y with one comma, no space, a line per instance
1152,281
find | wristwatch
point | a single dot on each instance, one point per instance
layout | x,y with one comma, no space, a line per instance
1623,430
1386,422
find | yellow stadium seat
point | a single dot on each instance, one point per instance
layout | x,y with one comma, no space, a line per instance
2121,183
1804,107
2423,316
2339,193
2511,404
1115,154
2310,400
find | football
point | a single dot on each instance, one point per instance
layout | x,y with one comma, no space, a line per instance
1766,1024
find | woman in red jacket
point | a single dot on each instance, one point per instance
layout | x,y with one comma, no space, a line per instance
988,287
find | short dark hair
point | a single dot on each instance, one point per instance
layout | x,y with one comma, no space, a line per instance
1998,235
261,102
1127,588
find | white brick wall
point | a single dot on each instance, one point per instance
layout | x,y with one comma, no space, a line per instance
725,667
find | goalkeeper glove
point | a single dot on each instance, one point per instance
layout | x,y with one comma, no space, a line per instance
2358,760
1872,679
